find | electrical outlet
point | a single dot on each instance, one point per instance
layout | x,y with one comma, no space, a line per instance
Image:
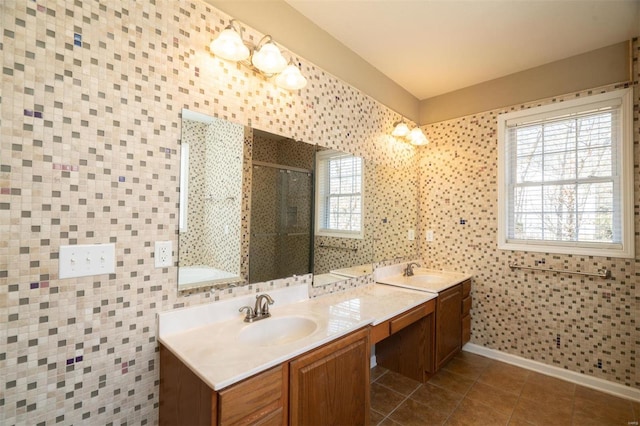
163,254
411,235
430,235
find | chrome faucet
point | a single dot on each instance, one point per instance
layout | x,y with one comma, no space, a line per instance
262,305
260,310
408,271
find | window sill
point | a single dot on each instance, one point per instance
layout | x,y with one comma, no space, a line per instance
622,252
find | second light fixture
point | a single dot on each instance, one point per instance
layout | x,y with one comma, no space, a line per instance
414,136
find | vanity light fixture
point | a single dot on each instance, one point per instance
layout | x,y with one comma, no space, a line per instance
268,58
414,136
400,129
265,58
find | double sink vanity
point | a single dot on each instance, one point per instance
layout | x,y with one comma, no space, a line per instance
307,361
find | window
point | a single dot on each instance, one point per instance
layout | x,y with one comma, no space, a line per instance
339,194
565,177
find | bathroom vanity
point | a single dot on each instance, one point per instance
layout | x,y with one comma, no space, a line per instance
309,362
322,386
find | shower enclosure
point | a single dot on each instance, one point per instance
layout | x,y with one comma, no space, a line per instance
281,221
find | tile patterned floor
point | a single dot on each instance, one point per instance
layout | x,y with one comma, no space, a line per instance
474,390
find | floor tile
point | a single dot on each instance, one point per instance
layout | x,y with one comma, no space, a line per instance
542,413
451,381
471,412
437,397
500,400
464,368
548,389
504,376
389,422
383,399
375,417
412,413
398,383
591,406
473,359
377,372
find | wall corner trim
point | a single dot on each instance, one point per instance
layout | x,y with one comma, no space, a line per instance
557,372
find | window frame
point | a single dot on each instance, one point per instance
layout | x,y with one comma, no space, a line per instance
624,149
320,202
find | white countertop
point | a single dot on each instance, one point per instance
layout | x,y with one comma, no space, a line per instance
214,352
424,279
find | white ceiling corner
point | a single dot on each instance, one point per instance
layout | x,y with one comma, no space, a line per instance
431,47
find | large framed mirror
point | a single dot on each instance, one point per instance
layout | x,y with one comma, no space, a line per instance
255,207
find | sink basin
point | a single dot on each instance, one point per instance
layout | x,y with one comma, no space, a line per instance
425,280
277,331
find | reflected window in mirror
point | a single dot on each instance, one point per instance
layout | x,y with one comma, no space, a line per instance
339,195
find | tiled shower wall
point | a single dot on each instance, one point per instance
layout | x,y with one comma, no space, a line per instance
90,98
212,237
584,324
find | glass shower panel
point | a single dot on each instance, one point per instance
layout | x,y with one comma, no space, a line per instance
281,203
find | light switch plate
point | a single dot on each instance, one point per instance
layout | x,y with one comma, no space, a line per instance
411,235
163,254
83,260
430,235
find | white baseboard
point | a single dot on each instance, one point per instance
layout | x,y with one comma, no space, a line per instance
549,370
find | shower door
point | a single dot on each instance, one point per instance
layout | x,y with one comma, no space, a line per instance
281,204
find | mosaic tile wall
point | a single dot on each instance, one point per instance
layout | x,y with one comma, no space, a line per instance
584,324
90,101
396,212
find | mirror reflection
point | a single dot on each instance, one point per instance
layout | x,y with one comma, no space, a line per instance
255,206
281,208
210,200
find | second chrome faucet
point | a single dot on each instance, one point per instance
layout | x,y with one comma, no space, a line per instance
260,310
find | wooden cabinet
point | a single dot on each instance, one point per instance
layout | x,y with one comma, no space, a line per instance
330,385
405,343
448,325
261,399
453,322
466,311
186,400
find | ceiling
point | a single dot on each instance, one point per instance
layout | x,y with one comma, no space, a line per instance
431,47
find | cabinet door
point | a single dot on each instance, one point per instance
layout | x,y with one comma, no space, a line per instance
448,325
330,385
184,398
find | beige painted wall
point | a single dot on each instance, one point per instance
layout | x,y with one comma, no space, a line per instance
597,68
294,31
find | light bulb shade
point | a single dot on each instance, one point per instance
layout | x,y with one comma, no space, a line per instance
229,45
269,59
416,137
291,78
401,130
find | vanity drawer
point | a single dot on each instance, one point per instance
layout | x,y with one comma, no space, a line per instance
466,329
397,323
466,288
466,305
403,320
256,399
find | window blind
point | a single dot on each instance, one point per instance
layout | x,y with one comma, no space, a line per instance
339,193
563,176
